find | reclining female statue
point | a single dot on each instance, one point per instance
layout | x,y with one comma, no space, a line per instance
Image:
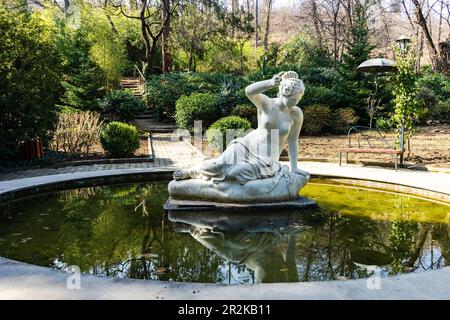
248,170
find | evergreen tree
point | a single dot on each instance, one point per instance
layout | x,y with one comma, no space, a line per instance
356,86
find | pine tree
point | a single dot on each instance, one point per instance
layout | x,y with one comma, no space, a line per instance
356,86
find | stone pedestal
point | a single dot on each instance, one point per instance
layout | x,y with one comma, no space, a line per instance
199,205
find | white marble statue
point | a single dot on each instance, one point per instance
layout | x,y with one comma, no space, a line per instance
248,170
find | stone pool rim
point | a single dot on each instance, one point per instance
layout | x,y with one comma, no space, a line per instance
45,283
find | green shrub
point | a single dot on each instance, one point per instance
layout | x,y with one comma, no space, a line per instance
343,119
384,124
216,134
317,119
67,109
197,106
433,90
30,78
231,92
122,105
248,112
320,95
441,111
439,83
164,90
119,139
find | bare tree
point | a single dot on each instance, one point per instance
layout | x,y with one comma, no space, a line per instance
421,20
153,22
269,4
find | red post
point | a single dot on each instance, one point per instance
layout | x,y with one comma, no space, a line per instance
33,149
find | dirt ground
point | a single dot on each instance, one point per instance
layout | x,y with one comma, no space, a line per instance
430,146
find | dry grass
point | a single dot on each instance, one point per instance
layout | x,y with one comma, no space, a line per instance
430,146
76,132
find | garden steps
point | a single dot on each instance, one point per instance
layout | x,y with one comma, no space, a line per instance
152,125
145,115
132,84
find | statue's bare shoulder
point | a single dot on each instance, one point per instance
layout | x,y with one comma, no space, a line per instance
297,114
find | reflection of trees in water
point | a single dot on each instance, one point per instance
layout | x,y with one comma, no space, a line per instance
327,251
99,230
331,250
122,231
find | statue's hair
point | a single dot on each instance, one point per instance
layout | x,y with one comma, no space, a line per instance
291,78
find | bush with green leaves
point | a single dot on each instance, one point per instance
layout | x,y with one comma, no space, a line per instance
119,139
30,78
122,105
164,90
439,83
343,119
317,119
441,111
408,109
197,106
321,95
83,81
217,134
304,49
230,94
248,112
433,91
384,124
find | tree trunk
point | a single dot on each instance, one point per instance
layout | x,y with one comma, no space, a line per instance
440,24
146,37
256,22
267,26
66,6
423,23
166,57
315,16
335,32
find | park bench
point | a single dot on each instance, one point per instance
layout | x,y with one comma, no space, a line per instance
365,140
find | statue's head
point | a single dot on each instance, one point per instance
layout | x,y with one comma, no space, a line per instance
291,88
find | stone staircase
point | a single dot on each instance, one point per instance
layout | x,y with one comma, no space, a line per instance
147,120
132,84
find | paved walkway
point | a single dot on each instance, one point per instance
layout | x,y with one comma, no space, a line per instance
168,153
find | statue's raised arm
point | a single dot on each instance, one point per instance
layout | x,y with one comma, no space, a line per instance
255,91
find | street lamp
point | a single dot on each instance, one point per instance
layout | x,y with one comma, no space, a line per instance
403,42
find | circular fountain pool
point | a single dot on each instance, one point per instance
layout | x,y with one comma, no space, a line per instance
122,231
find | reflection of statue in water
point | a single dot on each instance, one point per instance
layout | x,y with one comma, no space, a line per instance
248,170
258,247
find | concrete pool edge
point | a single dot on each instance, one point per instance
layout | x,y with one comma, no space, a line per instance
24,281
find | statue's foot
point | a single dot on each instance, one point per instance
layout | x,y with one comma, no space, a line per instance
302,173
181,174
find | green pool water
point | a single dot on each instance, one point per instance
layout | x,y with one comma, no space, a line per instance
122,231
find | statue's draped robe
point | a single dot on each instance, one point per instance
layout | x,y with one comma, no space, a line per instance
241,161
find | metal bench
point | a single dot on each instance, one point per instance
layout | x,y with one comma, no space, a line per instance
370,141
